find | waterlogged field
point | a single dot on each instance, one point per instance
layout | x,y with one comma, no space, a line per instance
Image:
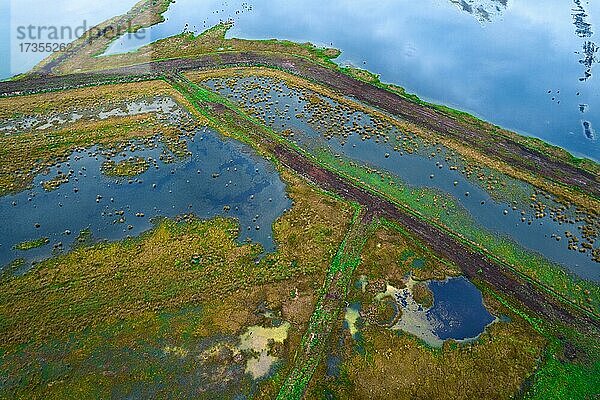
372,355
150,254
122,280
214,177
185,308
39,130
143,285
315,122
109,192
548,240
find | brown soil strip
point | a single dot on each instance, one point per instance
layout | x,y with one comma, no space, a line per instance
474,265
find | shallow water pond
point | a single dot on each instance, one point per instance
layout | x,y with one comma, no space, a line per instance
457,312
524,65
257,340
219,177
165,108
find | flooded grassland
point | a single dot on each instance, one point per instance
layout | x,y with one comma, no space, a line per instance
495,211
106,295
170,306
31,134
185,304
159,246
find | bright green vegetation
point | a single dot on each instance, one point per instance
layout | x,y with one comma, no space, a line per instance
167,312
500,348
32,244
559,378
570,364
516,355
382,363
133,167
436,207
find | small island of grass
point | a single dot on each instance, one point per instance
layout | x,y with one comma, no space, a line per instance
131,167
32,244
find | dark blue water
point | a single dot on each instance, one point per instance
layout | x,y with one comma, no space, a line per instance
520,64
220,172
458,311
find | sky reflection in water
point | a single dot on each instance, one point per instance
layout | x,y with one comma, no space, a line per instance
519,68
515,63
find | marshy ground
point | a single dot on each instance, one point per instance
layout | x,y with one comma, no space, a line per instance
189,308
267,236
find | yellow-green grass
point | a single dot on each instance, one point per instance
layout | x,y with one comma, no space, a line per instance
399,366
328,307
115,280
516,356
187,45
27,153
548,374
443,211
82,98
